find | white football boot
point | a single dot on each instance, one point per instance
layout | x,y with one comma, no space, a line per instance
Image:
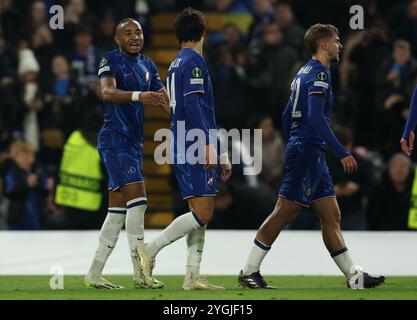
200,284
97,281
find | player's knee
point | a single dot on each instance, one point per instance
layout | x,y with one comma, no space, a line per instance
206,219
289,218
205,216
333,219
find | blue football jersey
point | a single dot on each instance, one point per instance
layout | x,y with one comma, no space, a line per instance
188,74
123,123
312,78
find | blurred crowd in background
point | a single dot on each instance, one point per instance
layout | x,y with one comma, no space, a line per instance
49,89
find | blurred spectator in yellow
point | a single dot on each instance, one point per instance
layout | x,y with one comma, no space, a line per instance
81,188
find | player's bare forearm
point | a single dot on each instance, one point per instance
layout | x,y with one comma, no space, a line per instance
112,94
116,95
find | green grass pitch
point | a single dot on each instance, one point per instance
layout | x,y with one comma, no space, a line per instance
289,288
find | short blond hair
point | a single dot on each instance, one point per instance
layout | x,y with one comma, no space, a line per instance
316,33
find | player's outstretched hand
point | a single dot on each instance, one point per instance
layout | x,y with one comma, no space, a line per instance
211,157
408,149
152,98
349,164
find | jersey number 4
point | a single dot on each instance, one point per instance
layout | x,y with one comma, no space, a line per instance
295,94
171,92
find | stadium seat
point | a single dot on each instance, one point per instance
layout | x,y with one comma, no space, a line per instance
162,21
215,21
151,167
150,146
150,127
155,113
160,200
53,138
165,21
163,74
164,40
158,219
162,56
157,184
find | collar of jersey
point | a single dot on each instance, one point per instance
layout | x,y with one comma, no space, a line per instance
192,50
130,57
317,61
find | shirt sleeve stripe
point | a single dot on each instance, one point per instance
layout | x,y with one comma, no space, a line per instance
197,91
316,93
103,69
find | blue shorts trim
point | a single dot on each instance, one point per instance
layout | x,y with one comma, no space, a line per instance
301,204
